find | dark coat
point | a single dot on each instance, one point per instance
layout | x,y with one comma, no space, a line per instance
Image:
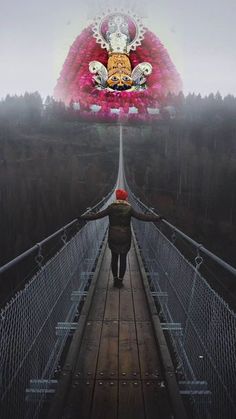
120,213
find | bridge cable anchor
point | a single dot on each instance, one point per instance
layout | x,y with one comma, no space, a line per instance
173,237
64,236
198,259
39,258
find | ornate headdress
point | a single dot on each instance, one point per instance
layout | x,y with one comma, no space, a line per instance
119,33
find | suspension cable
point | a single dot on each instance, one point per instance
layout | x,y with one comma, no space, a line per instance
199,246
38,246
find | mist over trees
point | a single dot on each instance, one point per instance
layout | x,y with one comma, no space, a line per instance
188,169
53,165
48,163
30,109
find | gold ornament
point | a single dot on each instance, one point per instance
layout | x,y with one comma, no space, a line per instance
118,41
119,71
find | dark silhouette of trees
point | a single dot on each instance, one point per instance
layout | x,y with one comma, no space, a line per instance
25,110
186,167
184,164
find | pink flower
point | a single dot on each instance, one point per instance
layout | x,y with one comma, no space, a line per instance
77,84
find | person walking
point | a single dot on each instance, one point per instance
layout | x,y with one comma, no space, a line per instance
120,213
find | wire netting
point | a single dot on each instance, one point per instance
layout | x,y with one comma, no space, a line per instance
206,344
29,345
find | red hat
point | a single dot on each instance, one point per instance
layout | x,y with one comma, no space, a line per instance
121,194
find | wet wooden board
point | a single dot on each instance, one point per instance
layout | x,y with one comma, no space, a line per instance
129,367
140,305
103,280
133,267
157,404
130,400
126,305
105,400
112,305
126,280
93,331
132,260
118,372
104,277
107,366
80,400
136,282
135,277
105,274
109,329
87,361
148,353
111,286
98,305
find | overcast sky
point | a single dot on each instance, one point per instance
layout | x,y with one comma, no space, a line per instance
35,37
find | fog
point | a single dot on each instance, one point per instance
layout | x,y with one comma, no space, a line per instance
35,38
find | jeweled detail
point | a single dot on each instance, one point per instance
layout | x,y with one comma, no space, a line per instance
119,33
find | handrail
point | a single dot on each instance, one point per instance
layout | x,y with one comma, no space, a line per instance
120,182
28,252
199,246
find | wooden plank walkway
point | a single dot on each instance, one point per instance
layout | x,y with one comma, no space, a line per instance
118,373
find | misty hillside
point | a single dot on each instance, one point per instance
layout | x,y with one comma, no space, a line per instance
188,173
54,165
47,180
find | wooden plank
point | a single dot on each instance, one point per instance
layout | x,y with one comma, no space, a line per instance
108,352
126,305
108,359
140,305
87,363
103,280
127,331
92,331
60,397
145,331
126,280
131,404
80,399
156,400
105,400
136,281
112,305
107,260
98,305
110,329
87,360
105,274
135,277
111,285
168,367
129,367
148,353
133,261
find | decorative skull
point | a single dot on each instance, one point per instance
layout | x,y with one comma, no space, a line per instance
118,41
119,72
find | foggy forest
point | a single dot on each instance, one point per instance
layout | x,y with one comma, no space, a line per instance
54,165
118,210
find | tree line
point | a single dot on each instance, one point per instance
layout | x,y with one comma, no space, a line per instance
30,111
184,165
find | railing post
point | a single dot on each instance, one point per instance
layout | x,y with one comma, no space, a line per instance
198,262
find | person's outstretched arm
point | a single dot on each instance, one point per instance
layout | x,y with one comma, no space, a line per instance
146,217
96,215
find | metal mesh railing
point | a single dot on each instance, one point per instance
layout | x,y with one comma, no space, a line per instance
29,345
200,323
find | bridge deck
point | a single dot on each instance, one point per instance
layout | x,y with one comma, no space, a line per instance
118,372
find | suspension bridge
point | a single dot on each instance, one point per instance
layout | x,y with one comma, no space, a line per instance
73,346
